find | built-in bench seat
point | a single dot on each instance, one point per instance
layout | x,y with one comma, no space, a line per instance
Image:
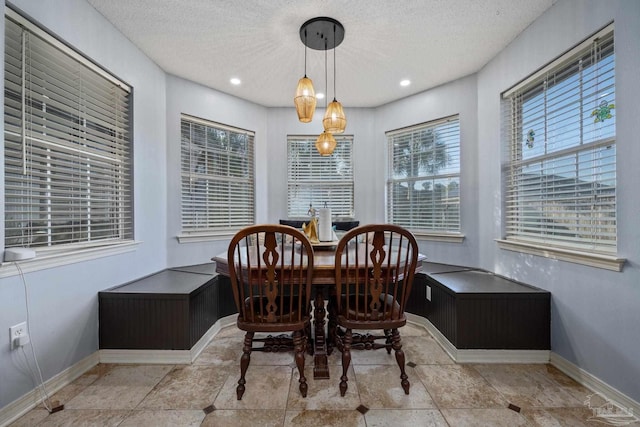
168,310
475,309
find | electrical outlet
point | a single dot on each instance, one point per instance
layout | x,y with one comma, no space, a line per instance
428,293
17,331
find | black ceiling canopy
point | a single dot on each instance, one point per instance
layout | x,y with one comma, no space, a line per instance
318,33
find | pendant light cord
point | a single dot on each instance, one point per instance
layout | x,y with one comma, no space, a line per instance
334,62
326,78
305,52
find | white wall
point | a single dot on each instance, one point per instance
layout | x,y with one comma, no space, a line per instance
64,300
595,312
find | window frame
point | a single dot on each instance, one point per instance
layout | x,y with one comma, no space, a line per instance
82,145
319,182
450,148
568,135
212,229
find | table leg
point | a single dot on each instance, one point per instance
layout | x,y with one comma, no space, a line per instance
333,323
320,365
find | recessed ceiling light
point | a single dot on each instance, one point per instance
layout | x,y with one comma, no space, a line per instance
405,82
235,81
320,95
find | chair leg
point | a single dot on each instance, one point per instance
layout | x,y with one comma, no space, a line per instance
244,363
299,349
346,360
388,342
397,346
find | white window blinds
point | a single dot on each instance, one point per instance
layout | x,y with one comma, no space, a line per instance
560,180
423,189
67,145
217,177
315,180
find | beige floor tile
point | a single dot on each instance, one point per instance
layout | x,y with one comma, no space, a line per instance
224,351
245,418
497,417
405,418
323,394
413,330
109,397
533,385
424,350
267,387
379,387
164,418
31,418
85,417
121,387
441,392
133,375
559,417
230,331
459,386
187,387
324,418
64,395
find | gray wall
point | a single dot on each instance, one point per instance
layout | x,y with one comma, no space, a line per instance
186,97
457,97
64,300
595,312
284,121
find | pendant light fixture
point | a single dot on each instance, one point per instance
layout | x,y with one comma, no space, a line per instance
334,119
325,33
305,98
326,143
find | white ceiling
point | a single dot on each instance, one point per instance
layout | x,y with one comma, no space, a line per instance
429,42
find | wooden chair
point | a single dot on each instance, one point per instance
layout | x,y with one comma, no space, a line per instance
375,266
270,267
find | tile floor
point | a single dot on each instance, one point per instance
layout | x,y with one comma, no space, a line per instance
203,394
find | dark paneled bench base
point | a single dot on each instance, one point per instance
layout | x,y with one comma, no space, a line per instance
475,309
168,310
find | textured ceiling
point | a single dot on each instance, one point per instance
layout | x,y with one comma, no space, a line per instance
429,42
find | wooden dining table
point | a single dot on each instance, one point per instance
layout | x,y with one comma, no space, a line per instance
323,285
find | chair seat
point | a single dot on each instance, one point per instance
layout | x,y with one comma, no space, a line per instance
349,311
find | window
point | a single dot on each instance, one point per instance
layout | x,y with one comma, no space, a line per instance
217,177
67,145
560,178
315,180
423,188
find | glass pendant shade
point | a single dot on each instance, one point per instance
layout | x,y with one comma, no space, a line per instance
325,144
334,119
305,100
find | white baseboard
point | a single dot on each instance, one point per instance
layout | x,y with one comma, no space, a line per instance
479,356
581,376
595,384
24,404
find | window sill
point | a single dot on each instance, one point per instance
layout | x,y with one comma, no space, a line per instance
439,237
50,259
608,262
206,237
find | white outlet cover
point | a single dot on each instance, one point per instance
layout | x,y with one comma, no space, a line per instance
17,331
